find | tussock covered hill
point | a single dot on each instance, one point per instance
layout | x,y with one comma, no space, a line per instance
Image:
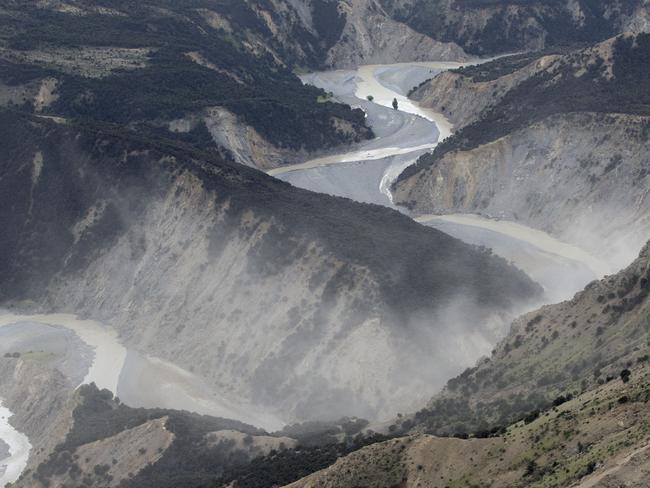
597,439
558,142
310,305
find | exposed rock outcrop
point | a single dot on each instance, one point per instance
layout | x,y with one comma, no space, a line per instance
558,143
42,400
462,99
581,177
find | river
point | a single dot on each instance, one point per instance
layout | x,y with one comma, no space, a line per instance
13,459
139,380
366,172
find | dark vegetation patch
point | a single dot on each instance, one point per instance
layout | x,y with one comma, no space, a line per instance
14,74
187,462
263,93
507,389
284,467
328,21
500,67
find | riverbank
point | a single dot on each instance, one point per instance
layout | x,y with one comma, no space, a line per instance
561,269
109,354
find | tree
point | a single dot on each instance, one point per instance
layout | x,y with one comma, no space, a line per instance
625,375
531,467
370,98
395,104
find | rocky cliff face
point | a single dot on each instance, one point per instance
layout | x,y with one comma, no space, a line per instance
557,371
582,177
303,303
371,36
462,98
41,398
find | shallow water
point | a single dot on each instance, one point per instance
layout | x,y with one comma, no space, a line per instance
541,240
12,466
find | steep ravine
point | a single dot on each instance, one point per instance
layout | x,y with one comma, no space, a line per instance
403,135
169,246
305,304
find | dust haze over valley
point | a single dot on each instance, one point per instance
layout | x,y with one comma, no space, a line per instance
323,243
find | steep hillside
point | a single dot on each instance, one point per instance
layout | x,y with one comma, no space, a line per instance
561,402
463,95
598,439
93,439
569,347
40,395
215,73
200,71
499,26
170,245
86,437
573,127
105,443
370,35
608,77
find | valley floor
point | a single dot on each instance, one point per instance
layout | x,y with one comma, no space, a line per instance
365,174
